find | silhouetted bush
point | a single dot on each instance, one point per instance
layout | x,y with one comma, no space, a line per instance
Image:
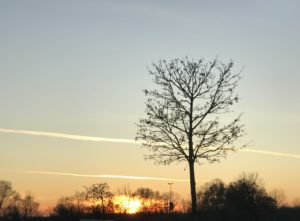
248,200
244,199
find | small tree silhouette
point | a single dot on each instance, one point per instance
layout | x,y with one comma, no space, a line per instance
99,193
246,197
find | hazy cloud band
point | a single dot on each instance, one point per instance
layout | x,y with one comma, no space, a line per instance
67,136
114,140
99,175
272,153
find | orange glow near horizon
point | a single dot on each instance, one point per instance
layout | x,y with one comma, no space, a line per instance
127,204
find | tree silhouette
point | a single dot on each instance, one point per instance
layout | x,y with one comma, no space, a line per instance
6,192
246,197
212,200
99,193
29,206
182,120
279,196
212,195
126,193
146,195
13,207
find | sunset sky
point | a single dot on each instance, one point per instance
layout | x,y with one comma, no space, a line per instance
79,68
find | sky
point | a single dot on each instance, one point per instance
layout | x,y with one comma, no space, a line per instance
79,68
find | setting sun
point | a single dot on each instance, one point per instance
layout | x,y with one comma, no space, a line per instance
127,204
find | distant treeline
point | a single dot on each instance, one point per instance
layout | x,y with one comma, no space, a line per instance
15,207
243,199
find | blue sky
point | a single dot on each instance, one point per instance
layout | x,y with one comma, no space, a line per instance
79,67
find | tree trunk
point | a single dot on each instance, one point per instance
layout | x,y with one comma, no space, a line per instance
193,188
103,210
191,161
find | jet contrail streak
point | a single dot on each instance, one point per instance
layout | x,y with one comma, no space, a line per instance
100,176
272,153
115,140
67,136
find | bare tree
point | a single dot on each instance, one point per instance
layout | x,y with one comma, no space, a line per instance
183,114
123,199
79,200
296,202
99,193
146,196
6,192
29,206
72,206
12,209
279,196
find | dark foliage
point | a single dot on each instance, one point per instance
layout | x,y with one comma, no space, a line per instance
243,199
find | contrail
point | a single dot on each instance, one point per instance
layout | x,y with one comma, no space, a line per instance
100,176
67,136
272,153
116,140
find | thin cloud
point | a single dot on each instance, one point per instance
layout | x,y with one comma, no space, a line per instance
115,140
272,153
100,176
67,136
